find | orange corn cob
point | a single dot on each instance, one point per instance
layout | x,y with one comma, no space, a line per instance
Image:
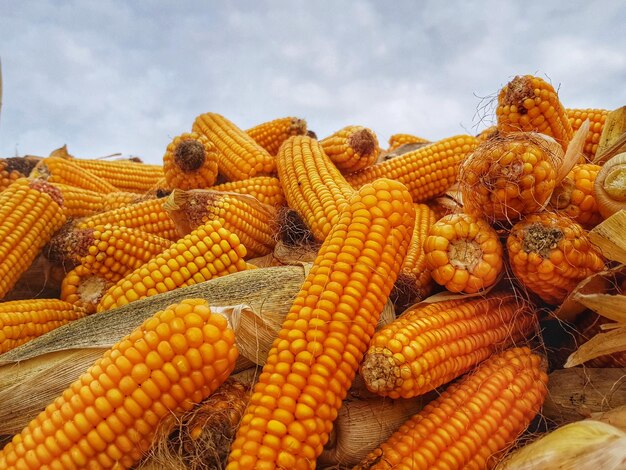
108,417
351,148
190,162
463,253
574,196
80,202
124,175
267,189
30,213
397,140
509,176
84,289
271,135
472,421
597,118
240,157
314,359
431,344
23,320
530,104
64,171
14,168
550,254
426,172
208,252
313,185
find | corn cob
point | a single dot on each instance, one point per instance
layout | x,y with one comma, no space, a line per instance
431,344
463,253
190,162
313,185
597,118
107,418
530,104
239,156
550,254
487,134
426,172
14,168
314,359
472,421
609,186
509,176
267,189
351,148
64,171
271,135
574,195
208,252
30,212
124,175
80,202
397,140
84,289
23,320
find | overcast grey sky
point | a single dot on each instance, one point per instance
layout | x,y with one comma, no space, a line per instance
121,76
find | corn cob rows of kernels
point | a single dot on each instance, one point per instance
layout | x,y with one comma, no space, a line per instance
397,140
351,148
190,162
271,135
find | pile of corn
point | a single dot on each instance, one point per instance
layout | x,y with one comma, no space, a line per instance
490,231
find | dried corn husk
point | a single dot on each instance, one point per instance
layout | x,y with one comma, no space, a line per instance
615,417
613,138
608,236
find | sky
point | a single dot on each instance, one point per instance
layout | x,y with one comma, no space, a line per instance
108,76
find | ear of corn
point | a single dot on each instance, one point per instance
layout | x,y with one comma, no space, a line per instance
124,175
107,418
267,189
64,171
314,359
15,168
351,148
271,135
597,118
80,202
397,140
472,420
84,289
574,195
190,162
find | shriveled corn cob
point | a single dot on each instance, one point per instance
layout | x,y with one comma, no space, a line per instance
397,140
472,420
108,417
190,162
208,252
597,118
351,148
313,185
426,172
30,212
267,189
574,195
530,104
314,359
271,135
14,168
431,344
80,202
65,171
463,253
125,175
23,320
550,254
84,289
240,157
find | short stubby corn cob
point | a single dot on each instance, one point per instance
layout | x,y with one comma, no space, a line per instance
108,417
84,289
80,202
509,176
271,135
397,140
351,148
267,189
315,357
65,171
574,196
313,185
463,253
208,252
550,254
190,162
239,156
472,421
530,104
14,168
30,212
124,175
431,344
597,118
24,320
427,172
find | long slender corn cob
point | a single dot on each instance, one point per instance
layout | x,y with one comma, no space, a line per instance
240,157
313,185
23,320
107,418
550,254
426,172
267,189
190,162
271,135
14,168
80,202
472,420
530,104
30,213
84,289
431,344
351,148
64,171
574,196
209,251
397,140
597,118
314,359
124,175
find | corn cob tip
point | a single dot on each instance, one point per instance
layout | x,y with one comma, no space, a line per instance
68,244
189,155
541,239
516,91
378,372
22,165
363,142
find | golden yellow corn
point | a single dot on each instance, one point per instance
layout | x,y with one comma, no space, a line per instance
124,175
574,196
84,289
267,189
190,162
64,171
271,135
597,118
80,202
398,140
351,148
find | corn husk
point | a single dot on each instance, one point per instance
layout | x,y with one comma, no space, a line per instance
581,445
615,417
613,138
574,152
608,236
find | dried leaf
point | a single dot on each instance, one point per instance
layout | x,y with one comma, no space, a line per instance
608,236
574,152
612,307
601,344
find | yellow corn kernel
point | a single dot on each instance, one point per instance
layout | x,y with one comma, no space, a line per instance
574,196
351,148
65,171
267,189
398,140
124,175
271,135
597,118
